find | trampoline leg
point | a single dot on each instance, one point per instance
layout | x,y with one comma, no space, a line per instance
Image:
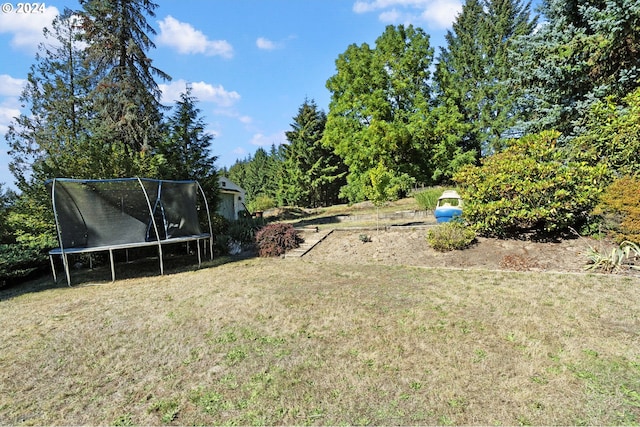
113,268
53,269
161,263
199,259
65,261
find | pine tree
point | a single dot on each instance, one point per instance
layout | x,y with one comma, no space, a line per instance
474,72
312,174
186,149
126,97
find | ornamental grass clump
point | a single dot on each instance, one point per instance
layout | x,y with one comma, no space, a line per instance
620,257
275,239
450,235
428,199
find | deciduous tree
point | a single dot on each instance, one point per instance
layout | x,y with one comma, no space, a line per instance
379,108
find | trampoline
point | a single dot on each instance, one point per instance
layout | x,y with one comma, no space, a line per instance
112,214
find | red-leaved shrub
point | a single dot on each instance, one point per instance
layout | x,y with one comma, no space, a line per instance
275,239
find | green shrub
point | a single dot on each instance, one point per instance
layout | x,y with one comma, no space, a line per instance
19,260
428,199
244,229
261,203
530,187
620,208
219,224
450,235
221,245
275,239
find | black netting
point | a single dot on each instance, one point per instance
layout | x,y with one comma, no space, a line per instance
94,213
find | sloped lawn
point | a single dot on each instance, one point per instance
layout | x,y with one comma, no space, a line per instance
273,341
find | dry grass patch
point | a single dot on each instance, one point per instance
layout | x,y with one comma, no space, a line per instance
290,342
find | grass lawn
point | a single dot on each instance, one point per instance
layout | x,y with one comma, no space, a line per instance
273,341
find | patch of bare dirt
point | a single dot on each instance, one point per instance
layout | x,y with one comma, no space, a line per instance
409,247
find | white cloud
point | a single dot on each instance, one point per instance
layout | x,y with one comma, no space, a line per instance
262,140
10,86
442,13
437,14
266,44
240,151
26,28
204,92
10,89
188,40
213,132
7,113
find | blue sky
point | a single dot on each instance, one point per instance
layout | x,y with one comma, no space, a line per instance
251,63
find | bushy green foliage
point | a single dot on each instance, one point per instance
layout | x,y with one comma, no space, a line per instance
219,224
380,109
244,229
448,236
386,186
473,69
585,51
620,208
530,187
19,260
612,134
261,203
311,174
258,173
275,239
428,199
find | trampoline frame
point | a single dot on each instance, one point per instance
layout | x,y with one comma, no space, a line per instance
65,252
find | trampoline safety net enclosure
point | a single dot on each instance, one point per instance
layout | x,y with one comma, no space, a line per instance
109,214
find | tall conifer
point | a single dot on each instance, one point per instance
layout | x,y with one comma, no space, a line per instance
312,174
584,51
473,72
126,97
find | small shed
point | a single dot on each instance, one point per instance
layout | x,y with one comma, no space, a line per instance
232,198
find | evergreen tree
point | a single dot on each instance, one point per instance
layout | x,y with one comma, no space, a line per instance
379,109
186,149
473,72
585,51
126,97
312,174
52,140
259,174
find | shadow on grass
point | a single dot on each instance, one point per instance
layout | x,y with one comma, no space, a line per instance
141,266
